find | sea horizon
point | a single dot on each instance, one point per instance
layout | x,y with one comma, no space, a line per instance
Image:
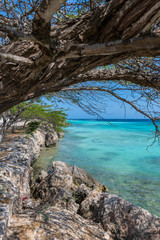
110,119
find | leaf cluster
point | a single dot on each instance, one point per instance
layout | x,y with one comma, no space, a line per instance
32,126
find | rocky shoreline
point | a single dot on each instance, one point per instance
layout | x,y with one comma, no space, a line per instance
16,158
66,204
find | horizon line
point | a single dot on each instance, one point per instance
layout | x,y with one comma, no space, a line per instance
109,119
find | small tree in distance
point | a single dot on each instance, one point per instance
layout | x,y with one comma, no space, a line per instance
33,112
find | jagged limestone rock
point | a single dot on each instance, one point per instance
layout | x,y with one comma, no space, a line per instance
61,185
51,139
60,134
72,188
43,174
54,223
121,218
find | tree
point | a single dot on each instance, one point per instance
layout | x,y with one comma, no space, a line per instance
33,112
45,114
12,116
45,51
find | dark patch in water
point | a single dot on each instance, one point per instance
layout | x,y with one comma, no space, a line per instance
96,140
78,137
154,161
105,158
82,132
111,154
92,149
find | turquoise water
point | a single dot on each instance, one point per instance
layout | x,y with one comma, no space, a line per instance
115,155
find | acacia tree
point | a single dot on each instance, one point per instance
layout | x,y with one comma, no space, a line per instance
50,45
37,112
10,117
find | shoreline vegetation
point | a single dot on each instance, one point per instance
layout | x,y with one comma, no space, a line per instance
66,203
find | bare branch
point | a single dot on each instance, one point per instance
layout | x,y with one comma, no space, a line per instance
14,35
47,9
16,59
8,118
41,22
114,95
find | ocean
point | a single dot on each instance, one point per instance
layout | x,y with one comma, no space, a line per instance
116,154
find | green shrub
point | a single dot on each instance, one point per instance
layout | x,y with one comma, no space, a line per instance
32,126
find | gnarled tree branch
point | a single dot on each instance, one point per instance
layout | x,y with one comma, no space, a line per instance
16,59
41,22
90,41
142,46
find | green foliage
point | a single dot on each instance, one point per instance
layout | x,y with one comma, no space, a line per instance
32,126
38,113
57,119
35,111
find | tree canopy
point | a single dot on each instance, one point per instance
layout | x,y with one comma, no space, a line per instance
63,47
42,113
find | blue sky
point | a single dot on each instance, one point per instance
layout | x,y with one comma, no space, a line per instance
113,111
